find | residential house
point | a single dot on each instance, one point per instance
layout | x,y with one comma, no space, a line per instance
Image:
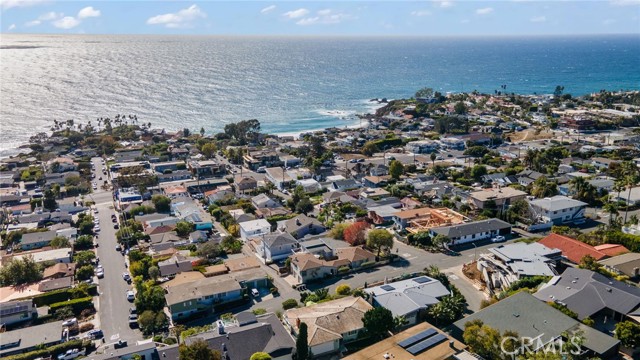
506,264
278,177
267,158
36,240
344,185
184,300
318,260
590,294
525,315
248,335
452,143
421,342
379,170
409,298
59,270
307,267
61,164
625,264
357,256
55,284
274,247
501,197
422,146
254,228
527,177
628,196
558,210
167,166
300,226
574,250
473,231
206,169
602,163
219,194
139,350
375,181
192,212
174,176
128,196
21,341
62,255
423,219
264,201
330,325
309,186
175,192
17,311
175,265
245,183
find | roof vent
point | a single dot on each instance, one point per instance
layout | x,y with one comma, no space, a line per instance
568,287
573,282
608,289
516,314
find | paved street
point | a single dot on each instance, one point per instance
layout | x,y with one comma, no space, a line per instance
113,305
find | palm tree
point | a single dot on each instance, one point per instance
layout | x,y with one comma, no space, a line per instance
433,157
529,157
612,209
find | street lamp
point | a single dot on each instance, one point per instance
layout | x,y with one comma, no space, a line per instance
475,250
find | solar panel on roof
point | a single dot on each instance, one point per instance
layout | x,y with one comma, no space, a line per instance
426,344
421,280
387,288
417,337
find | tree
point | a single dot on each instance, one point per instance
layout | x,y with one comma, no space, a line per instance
209,150
440,240
343,289
449,309
396,169
369,148
338,231
304,206
460,108
162,203
380,239
590,263
260,356
425,92
542,188
152,321
60,242
378,322
483,339
302,343
433,158
184,228
582,190
154,272
198,350
202,131
289,304
84,272
82,258
83,242
629,334
478,171
355,233
209,250
186,132
49,201
19,271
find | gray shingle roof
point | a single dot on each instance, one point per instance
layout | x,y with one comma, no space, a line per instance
557,202
279,239
530,317
456,231
586,292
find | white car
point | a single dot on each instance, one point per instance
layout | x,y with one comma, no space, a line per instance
131,296
498,238
100,273
70,354
70,322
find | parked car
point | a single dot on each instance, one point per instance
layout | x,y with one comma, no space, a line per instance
126,276
498,238
120,344
100,273
118,247
95,334
70,354
70,322
133,310
116,226
255,292
133,320
130,296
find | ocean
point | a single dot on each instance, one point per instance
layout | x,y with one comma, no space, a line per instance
290,84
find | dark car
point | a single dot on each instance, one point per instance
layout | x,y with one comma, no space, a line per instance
95,334
116,226
120,344
133,321
118,247
133,310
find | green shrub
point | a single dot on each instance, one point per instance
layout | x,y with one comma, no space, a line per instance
289,304
61,295
259,311
76,304
367,263
343,269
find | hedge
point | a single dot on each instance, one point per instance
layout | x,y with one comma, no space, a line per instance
56,296
53,351
76,304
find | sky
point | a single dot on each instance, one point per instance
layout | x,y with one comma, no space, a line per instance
419,18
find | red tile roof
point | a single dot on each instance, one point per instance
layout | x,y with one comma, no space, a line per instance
611,249
573,250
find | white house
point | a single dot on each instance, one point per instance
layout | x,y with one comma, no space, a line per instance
558,209
421,146
254,228
309,185
472,231
278,177
264,201
274,247
452,143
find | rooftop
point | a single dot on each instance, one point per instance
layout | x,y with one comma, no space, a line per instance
573,250
556,203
